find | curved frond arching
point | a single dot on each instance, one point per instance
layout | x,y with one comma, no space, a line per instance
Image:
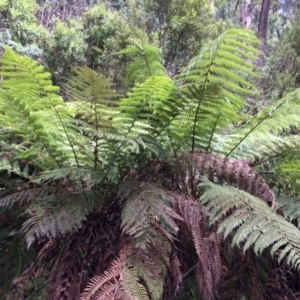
56,214
265,129
146,213
255,223
215,82
148,218
34,111
23,197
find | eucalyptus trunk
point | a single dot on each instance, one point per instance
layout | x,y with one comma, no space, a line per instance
262,30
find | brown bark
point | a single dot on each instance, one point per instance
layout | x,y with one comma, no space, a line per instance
262,30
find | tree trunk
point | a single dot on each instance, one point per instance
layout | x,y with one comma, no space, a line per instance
246,13
262,30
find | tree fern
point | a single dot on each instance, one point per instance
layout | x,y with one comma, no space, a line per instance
144,239
256,224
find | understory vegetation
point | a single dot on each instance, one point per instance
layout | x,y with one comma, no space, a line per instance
139,167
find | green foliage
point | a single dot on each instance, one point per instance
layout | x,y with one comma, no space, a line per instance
146,62
179,26
154,204
282,69
256,224
19,17
39,116
20,28
214,83
268,129
65,47
290,208
98,28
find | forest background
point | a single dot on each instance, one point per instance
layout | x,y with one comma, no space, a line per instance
112,38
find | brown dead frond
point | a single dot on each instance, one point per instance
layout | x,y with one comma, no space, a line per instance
67,265
106,285
224,170
206,244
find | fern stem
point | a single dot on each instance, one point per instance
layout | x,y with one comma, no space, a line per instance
96,129
200,102
256,163
172,146
212,133
147,63
58,115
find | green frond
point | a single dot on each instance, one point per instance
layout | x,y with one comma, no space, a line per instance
56,214
149,107
265,130
204,114
142,268
71,176
31,108
24,197
146,61
15,168
93,98
273,147
215,84
255,223
147,216
290,208
90,87
131,285
147,210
